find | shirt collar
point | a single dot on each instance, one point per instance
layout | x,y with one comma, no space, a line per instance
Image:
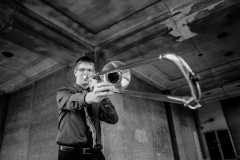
79,88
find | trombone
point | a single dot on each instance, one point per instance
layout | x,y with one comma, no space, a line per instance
119,75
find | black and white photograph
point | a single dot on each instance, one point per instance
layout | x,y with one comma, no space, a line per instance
119,79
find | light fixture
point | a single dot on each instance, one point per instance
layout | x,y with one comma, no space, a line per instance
7,54
228,54
211,120
222,35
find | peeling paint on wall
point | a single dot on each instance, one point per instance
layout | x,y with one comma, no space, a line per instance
141,136
187,20
170,24
174,32
214,5
183,21
186,32
161,143
183,12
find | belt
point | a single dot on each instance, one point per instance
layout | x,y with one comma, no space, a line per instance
75,149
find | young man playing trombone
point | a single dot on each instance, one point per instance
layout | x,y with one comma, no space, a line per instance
81,108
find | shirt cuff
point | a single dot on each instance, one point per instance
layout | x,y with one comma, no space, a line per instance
81,99
85,103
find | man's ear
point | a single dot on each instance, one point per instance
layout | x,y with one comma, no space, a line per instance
75,72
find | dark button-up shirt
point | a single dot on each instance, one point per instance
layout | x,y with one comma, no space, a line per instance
72,123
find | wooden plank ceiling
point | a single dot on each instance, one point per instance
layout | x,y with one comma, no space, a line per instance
39,36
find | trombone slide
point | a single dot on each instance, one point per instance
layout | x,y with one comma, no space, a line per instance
189,101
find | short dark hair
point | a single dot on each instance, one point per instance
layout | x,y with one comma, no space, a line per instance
84,59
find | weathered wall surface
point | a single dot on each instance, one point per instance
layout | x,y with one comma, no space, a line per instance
16,132
142,131
31,123
43,123
231,108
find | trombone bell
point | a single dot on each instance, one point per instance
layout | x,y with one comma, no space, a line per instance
119,78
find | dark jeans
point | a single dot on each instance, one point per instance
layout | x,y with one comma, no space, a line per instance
64,155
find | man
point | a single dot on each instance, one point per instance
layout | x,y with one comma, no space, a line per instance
80,110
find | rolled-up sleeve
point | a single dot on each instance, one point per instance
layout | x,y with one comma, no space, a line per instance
108,112
68,100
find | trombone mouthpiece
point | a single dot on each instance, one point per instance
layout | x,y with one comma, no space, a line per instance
85,77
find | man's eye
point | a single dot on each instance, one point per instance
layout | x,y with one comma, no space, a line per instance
89,70
81,70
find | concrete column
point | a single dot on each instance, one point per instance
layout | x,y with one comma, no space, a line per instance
199,133
172,130
3,113
186,134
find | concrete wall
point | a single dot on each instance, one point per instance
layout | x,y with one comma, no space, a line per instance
231,108
31,123
16,132
142,132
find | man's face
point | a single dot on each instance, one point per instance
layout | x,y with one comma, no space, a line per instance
83,69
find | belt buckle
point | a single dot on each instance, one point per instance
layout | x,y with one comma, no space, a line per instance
86,149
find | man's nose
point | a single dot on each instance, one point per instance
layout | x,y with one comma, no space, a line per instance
85,71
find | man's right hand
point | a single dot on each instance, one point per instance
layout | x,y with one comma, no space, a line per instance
100,91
